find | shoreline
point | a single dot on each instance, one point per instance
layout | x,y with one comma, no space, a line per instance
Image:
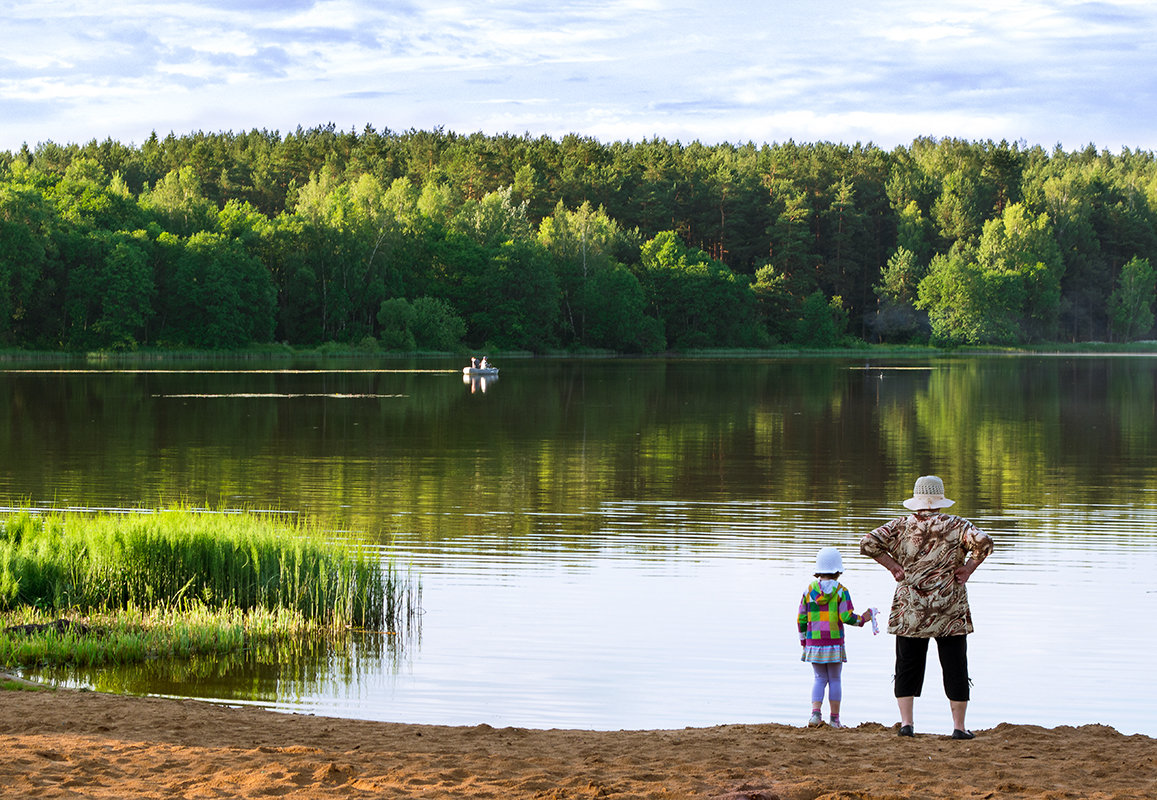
64,743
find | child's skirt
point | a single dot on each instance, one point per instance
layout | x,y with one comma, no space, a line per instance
827,654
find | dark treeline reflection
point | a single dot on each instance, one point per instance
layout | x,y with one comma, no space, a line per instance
389,452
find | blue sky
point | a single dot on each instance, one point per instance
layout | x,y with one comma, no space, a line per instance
1047,73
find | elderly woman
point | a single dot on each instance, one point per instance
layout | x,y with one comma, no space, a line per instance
931,555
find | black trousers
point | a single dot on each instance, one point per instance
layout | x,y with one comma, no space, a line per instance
912,656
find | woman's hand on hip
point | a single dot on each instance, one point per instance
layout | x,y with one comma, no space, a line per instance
964,571
892,565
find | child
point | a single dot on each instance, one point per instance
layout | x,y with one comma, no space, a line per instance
824,609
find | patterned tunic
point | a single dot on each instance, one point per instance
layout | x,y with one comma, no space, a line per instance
930,546
821,620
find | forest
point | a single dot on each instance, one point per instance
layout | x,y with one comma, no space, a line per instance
437,241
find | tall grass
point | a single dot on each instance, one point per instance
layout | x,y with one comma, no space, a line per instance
173,559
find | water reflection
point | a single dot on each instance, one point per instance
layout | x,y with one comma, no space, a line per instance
568,434
622,543
285,672
479,383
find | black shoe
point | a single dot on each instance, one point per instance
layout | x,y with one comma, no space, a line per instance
959,734
906,730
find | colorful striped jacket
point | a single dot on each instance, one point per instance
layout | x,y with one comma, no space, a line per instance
822,617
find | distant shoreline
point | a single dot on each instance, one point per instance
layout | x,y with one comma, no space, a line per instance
354,352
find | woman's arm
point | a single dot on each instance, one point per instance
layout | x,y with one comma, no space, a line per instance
890,564
979,545
880,544
965,570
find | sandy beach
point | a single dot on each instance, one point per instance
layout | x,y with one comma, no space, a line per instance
64,744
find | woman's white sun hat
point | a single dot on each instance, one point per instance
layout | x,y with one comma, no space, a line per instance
928,493
828,561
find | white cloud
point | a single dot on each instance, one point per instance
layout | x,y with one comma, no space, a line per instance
884,72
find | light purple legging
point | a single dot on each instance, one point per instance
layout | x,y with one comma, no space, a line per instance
828,675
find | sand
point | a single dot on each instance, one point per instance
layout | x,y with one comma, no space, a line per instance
63,744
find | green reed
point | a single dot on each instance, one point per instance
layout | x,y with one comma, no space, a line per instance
178,559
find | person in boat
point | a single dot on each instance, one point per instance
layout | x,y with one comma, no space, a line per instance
474,362
485,364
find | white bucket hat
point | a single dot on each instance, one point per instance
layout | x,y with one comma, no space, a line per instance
828,561
928,493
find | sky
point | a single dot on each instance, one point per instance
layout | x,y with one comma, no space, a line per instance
884,72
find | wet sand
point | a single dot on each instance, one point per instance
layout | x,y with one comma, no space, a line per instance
67,744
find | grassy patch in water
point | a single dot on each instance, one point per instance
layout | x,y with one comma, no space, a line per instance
63,563
111,589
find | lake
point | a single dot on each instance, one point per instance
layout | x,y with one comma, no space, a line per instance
622,543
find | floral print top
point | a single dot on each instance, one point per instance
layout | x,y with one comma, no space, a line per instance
929,546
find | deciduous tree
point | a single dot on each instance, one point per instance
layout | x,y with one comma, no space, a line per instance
1131,303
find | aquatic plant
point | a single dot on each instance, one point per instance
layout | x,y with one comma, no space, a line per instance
175,559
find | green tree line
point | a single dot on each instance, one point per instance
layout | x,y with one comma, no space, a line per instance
436,240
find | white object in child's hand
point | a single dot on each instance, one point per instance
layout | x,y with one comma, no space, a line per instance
875,625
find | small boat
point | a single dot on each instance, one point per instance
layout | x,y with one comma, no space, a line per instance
482,372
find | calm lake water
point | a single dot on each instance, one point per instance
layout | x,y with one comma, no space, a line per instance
623,543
